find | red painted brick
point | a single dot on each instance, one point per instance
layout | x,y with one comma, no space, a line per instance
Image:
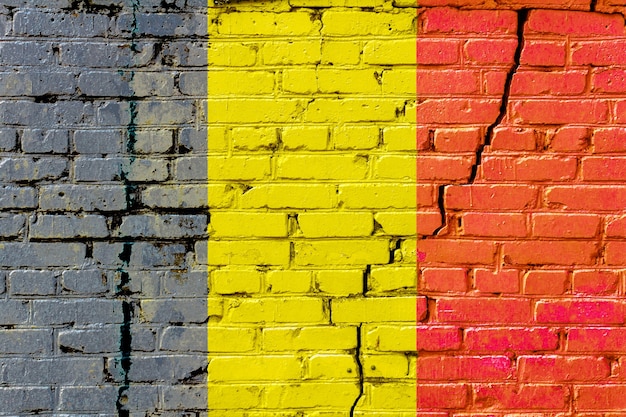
431,396
490,281
453,368
448,20
545,282
513,396
443,82
528,83
535,111
620,109
457,140
615,253
428,222
544,53
553,368
574,23
457,251
511,138
609,80
540,252
444,168
490,51
570,139
604,168
596,339
529,168
616,227
596,198
438,338
599,53
483,310
565,225
494,224
491,197
494,82
601,397
595,282
457,110
609,140
443,280
425,195
580,311
422,140
506,339
437,51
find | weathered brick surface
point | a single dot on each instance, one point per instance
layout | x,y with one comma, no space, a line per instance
103,305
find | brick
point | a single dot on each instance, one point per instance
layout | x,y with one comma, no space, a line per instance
598,53
443,280
601,397
324,110
26,342
534,111
490,197
313,167
351,23
437,168
279,282
616,227
391,52
456,251
565,225
250,83
494,224
478,310
501,51
440,396
457,110
570,139
457,140
41,254
614,253
248,224
606,140
277,196
447,368
336,224
550,252
356,137
236,281
438,338
502,339
574,23
539,52
391,279
513,139
548,83
545,282
271,368
603,168
503,281
579,311
554,368
312,395
429,52
306,310
382,309
248,253
382,196
596,339
529,397
449,20
434,82
588,198
309,338
32,283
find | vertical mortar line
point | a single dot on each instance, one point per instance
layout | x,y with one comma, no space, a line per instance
123,289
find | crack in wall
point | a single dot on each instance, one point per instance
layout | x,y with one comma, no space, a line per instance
359,364
522,17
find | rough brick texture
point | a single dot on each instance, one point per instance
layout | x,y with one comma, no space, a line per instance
103,304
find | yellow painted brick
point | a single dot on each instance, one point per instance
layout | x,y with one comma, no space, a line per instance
254,368
400,82
215,307
390,52
292,53
247,82
378,196
234,281
342,252
217,141
408,248
248,253
277,196
306,395
300,81
385,366
238,167
351,23
254,138
220,196
341,52
231,339
268,24
398,223
356,137
340,282
380,309
397,167
309,338
231,54
400,138
321,167
391,338
312,138
248,224
275,310
289,281
384,279
336,3
324,110
240,110
348,81
336,224
229,396
332,367
393,396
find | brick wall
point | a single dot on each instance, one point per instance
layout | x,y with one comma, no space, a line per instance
102,302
